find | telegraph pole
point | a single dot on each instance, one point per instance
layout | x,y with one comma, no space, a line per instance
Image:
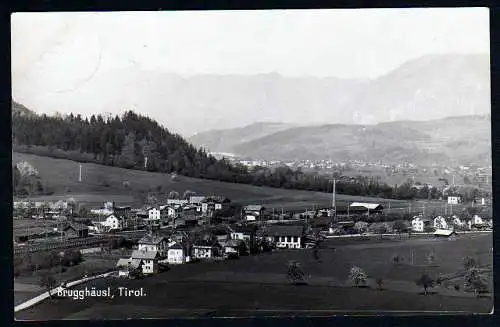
80,175
334,203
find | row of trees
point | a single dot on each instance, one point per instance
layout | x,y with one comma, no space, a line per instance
473,279
137,142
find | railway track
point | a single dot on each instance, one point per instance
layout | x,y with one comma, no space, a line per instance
77,243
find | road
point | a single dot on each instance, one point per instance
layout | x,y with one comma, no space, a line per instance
54,291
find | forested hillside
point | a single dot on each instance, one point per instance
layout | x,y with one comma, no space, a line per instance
130,141
137,142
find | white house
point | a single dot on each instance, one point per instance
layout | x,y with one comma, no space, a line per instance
440,223
149,260
287,236
454,199
206,250
111,222
125,265
456,221
154,243
154,214
253,212
419,223
177,253
475,221
196,200
177,202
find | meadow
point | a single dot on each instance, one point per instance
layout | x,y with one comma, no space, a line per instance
257,285
104,183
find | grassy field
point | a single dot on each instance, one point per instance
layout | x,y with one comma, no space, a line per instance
102,183
256,285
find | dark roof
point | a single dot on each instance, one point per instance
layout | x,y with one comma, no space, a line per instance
151,239
178,246
76,226
206,243
285,230
253,207
147,255
243,229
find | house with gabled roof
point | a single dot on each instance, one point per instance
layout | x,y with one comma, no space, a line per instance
153,242
74,230
287,236
178,253
126,265
149,259
206,249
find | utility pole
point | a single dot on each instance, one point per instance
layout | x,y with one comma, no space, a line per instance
80,175
334,203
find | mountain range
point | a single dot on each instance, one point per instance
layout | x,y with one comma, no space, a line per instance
452,140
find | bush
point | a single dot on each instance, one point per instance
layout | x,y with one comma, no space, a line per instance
357,276
425,281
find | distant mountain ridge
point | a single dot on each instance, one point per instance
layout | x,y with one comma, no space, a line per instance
454,140
430,87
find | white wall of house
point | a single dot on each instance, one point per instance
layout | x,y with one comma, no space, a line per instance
250,218
203,252
292,242
417,225
176,256
154,214
240,236
440,223
454,200
149,266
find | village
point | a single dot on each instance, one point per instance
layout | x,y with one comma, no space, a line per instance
203,228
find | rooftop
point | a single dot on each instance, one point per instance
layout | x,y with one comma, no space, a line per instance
253,207
146,255
151,239
285,230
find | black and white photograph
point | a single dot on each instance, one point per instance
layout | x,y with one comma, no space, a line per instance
251,163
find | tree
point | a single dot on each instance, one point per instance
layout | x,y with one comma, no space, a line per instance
48,281
382,229
173,195
430,258
396,258
426,282
473,280
151,200
188,194
357,276
400,226
469,263
295,274
380,283
361,227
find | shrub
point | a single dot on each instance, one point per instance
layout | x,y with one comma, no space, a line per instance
426,282
357,276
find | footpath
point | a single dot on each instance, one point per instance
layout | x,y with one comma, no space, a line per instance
53,291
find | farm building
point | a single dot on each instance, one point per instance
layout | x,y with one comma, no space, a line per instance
125,266
76,230
178,253
149,259
419,223
444,233
287,236
204,249
151,242
368,208
253,212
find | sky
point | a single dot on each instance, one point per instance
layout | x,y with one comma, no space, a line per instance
54,54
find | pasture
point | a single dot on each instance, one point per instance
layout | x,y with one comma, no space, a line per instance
257,285
104,183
